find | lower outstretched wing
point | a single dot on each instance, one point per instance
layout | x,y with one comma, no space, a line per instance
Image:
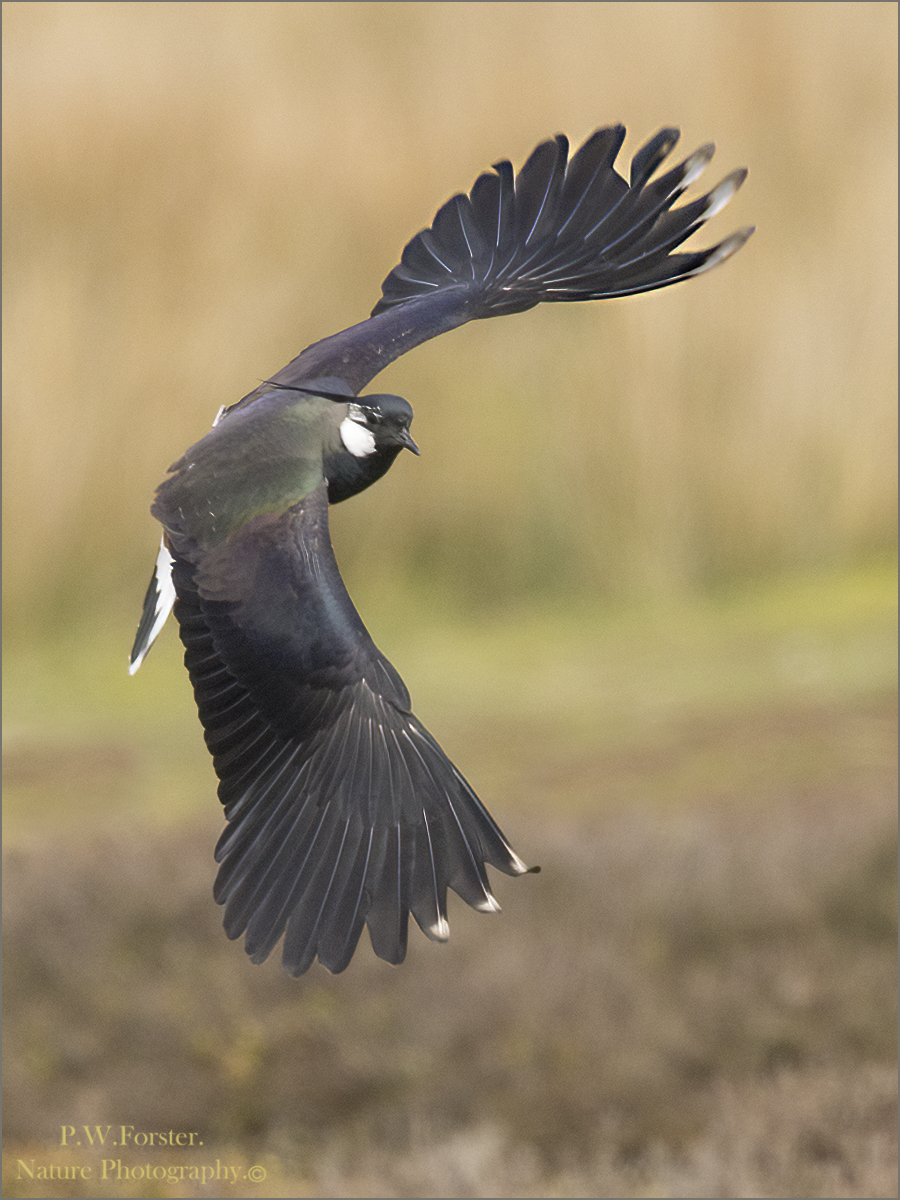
343,811
562,229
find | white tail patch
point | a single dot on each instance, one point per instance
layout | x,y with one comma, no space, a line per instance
165,598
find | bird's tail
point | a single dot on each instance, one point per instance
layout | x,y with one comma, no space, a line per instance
566,229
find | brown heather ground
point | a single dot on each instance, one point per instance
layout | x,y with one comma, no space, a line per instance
688,1001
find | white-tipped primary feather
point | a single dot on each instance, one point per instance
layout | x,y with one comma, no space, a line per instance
697,164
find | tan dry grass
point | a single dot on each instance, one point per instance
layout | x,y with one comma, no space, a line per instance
194,192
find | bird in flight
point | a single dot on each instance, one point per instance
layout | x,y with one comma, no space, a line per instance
342,810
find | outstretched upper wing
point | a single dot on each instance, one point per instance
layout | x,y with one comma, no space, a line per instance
342,809
562,229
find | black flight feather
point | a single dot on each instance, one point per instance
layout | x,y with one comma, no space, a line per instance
562,229
343,811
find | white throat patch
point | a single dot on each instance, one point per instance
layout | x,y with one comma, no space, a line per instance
358,440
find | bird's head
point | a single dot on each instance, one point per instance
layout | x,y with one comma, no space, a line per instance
374,431
379,425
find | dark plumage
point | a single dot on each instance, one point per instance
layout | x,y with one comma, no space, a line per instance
342,809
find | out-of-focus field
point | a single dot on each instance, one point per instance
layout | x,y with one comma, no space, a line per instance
696,997
640,584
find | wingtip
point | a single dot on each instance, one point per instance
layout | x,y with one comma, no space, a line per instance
723,192
439,931
731,245
696,164
520,868
725,250
651,154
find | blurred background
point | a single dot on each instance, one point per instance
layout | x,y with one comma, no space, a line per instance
641,584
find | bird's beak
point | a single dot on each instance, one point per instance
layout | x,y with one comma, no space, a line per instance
406,440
